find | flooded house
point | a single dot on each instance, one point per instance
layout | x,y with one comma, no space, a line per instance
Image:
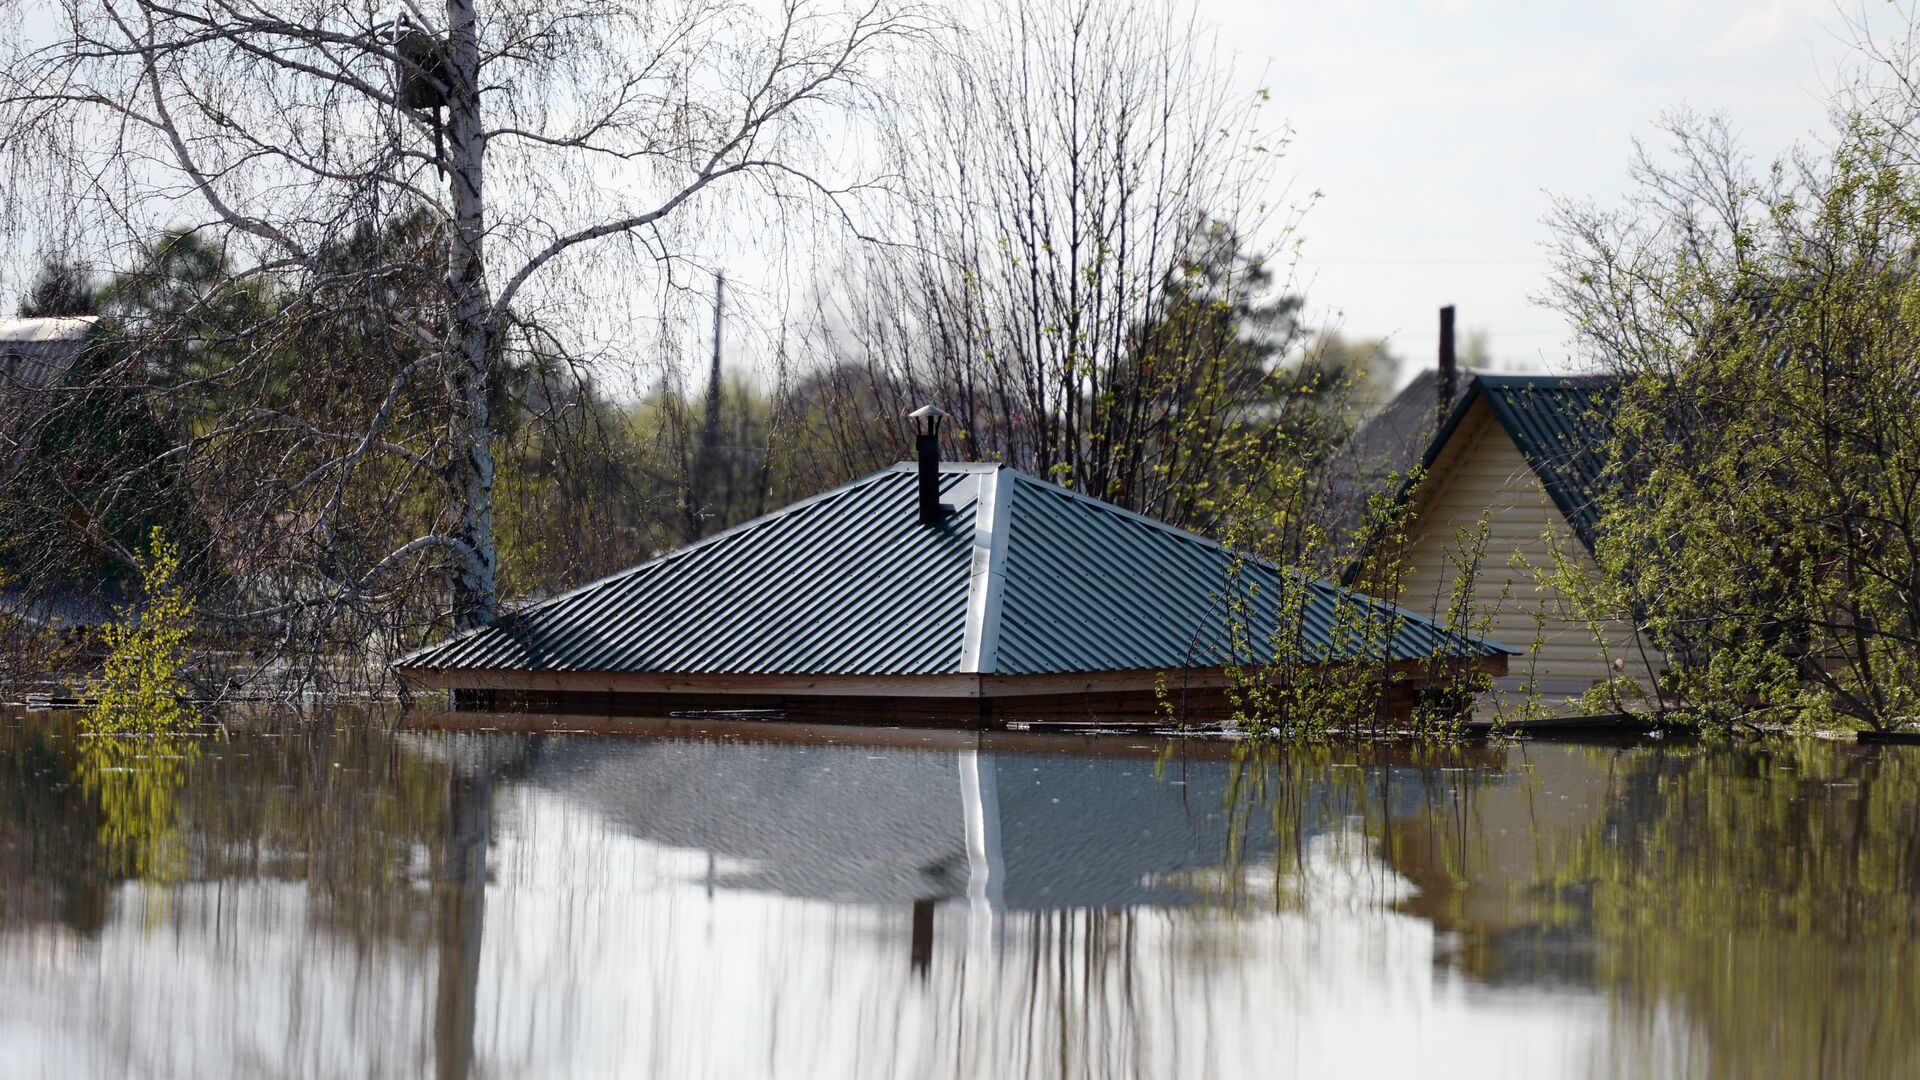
936,591
35,355
1526,453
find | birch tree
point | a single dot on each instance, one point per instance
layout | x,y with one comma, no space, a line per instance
545,157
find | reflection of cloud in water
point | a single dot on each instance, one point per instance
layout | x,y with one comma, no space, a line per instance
1335,872
227,979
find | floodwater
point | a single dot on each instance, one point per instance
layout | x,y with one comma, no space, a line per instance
741,900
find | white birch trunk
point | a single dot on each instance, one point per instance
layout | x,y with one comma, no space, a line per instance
470,455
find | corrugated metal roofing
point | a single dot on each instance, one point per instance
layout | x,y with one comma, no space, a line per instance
1092,587
845,583
1023,577
1561,425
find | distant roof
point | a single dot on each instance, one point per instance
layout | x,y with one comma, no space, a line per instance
62,606
1022,577
1384,449
1392,440
35,353
72,328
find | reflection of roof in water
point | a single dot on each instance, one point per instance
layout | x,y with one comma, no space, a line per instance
828,822
1107,832
888,826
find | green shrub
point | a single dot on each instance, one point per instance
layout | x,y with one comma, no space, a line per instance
142,683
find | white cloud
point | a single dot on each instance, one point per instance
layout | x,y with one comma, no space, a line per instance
1436,130
1767,25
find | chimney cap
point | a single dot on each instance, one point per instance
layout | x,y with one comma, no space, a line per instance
926,419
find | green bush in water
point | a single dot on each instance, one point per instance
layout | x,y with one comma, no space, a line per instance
141,685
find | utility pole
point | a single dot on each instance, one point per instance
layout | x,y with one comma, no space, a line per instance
701,483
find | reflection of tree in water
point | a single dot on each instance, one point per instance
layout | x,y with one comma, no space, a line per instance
79,813
384,835
1748,910
1766,894
1403,806
342,807
51,867
135,781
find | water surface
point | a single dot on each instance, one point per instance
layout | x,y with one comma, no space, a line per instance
741,901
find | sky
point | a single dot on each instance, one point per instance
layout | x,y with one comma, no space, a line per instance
1436,132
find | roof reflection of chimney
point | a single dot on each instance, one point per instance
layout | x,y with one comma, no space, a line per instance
926,444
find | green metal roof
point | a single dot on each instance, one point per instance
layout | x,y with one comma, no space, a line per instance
1022,577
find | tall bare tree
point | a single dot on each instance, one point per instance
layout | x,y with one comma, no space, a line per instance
1082,278
539,154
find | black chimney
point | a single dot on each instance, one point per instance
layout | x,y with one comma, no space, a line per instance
926,444
1449,366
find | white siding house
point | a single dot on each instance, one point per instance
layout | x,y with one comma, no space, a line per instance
1524,452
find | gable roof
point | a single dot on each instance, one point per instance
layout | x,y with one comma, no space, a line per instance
1021,577
1560,423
